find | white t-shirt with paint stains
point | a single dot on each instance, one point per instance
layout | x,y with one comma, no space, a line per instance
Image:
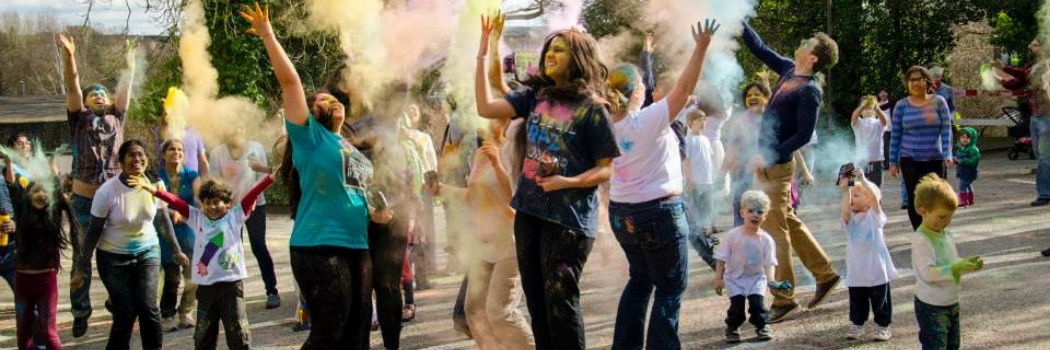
218,252
868,262
649,166
746,256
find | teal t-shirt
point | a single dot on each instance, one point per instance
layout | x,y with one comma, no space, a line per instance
333,174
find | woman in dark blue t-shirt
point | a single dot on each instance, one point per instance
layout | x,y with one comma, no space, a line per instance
568,150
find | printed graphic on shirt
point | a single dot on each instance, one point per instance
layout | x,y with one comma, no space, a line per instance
357,170
216,248
549,128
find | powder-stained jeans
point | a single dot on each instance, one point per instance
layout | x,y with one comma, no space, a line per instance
790,233
131,281
653,236
551,259
1040,129
938,326
337,285
80,298
174,275
387,244
735,316
256,226
222,302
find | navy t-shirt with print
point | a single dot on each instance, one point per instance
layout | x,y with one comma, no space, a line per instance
564,139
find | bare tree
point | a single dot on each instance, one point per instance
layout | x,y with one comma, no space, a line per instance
534,9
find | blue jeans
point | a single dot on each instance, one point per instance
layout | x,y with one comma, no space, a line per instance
131,281
701,210
653,236
80,298
1040,128
938,326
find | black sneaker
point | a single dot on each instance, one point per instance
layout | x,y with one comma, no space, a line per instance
1038,202
823,289
1045,252
80,325
781,313
273,301
904,206
764,333
732,336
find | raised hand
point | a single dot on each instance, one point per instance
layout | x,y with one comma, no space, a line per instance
259,17
498,20
489,150
648,44
67,44
703,34
487,26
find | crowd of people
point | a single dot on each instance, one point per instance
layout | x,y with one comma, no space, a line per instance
526,184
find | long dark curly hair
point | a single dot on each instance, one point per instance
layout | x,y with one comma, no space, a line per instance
586,74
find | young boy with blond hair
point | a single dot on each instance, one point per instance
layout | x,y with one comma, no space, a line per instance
746,258
869,267
937,265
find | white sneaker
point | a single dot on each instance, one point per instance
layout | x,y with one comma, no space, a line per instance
854,332
168,324
883,333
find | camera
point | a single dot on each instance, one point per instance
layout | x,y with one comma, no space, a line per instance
846,172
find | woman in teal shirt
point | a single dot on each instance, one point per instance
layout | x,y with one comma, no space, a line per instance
329,243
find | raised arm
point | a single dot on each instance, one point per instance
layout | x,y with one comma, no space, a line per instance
122,100
883,119
686,83
174,201
771,58
248,202
495,60
486,105
294,100
646,64
74,98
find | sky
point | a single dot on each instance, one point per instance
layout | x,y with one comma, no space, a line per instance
108,14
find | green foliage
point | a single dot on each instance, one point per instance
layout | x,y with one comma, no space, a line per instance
608,17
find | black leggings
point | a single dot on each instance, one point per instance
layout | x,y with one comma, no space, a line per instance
336,283
387,244
913,171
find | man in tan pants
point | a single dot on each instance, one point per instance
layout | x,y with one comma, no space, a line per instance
787,125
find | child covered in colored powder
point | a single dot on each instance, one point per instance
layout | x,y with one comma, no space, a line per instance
869,123
700,185
869,267
746,258
39,240
937,265
968,157
218,256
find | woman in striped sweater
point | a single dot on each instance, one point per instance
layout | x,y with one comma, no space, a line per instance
922,135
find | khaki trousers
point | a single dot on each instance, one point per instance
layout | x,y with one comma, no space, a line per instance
492,302
789,232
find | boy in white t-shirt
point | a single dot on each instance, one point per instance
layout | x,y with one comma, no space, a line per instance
699,185
938,268
746,257
869,267
869,123
218,255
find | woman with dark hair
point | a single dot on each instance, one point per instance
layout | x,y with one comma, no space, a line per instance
922,135
329,243
183,182
122,228
568,150
742,143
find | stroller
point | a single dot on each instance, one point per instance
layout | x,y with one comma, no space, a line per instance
1019,132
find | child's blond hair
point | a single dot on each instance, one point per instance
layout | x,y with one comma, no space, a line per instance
754,199
935,192
695,114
